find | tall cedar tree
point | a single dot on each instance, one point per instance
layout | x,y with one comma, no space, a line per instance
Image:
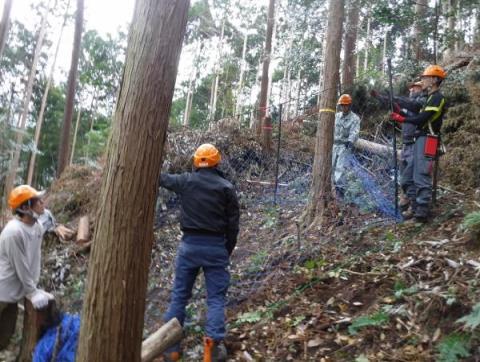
349,63
5,25
262,104
113,311
64,146
321,191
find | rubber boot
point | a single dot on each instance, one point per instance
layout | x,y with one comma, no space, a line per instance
172,357
214,351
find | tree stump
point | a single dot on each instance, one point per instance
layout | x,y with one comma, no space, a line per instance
35,323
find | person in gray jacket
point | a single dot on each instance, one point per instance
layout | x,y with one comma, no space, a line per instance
20,258
347,129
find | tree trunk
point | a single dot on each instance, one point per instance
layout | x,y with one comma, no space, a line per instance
64,146
299,87
419,31
367,44
12,174
383,66
460,27
243,67
450,13
321,190
349,61
5,25
75,133
321,70
262,104
113,311
476,35
38,127
214,90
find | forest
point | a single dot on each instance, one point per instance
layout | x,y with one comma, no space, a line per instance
329,265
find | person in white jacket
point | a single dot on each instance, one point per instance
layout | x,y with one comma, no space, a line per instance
20,258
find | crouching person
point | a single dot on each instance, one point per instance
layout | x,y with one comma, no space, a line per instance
20,257
210,224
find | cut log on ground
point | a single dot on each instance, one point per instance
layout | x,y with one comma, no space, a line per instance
35,323
375,148
83,233
169,334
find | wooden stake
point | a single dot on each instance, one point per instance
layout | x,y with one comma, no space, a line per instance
35,322
83,233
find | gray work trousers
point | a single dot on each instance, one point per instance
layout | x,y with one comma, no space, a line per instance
8,320
422,178
406,172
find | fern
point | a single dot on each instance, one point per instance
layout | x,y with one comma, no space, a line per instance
471,222
453,347
376,319
471,320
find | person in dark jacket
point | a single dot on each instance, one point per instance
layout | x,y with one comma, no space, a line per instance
210,224
428,123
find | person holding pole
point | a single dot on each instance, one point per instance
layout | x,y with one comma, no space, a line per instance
427,139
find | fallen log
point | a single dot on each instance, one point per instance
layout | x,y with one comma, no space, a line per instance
83,233
168,334
375,148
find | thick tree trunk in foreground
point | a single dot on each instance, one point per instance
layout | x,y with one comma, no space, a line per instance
349,63
63,150
321,192
5,25
262,104
113,311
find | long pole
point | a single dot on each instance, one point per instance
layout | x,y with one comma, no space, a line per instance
395,165
278,151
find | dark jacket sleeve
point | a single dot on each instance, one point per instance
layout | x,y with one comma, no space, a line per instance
173,183
409,104
233,219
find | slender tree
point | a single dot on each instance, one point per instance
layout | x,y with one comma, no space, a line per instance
321,190
350,57
38,127
262,120
5,24
113,311
64,146
12,174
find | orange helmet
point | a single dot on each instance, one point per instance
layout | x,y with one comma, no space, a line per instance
20,194
434,71
345,99
206,156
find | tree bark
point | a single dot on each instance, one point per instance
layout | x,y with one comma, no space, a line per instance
349,62
64,146
243,67
321,190
262,104
367,44
5,25
12,174
214,89
38,127
113,311
75,133
419,31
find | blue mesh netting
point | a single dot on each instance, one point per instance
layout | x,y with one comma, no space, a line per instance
65,346
371,192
